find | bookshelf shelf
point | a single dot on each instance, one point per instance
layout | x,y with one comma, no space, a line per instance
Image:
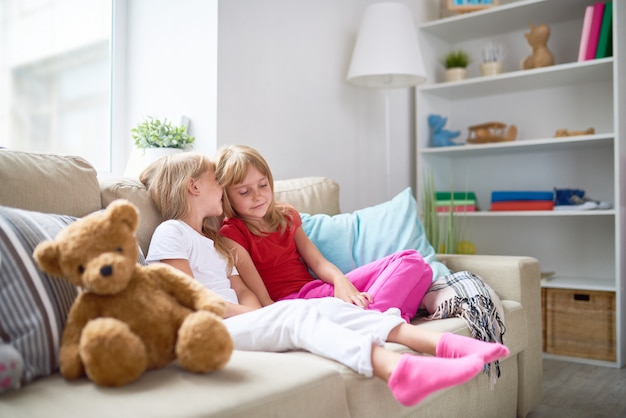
524,145
606,284
533,213
585,249
502,19
540,78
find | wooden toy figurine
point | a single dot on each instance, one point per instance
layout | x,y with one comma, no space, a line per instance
491,132
541,56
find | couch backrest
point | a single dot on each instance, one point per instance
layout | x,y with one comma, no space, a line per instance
69,185
47,183
113,188
309,194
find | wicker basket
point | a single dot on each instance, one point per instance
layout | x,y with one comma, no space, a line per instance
579,323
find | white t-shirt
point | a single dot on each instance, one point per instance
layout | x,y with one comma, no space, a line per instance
174,239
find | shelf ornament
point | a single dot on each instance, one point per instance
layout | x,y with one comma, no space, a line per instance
491,132
492,59
441,137
537,39
456,63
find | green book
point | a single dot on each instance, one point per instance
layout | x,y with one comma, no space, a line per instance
605,40
457,202
458,196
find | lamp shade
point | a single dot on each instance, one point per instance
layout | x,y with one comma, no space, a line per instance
386,53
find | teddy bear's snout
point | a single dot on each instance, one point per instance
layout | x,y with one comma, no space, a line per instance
106,271
107,274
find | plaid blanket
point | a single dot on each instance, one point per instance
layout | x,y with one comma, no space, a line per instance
465,295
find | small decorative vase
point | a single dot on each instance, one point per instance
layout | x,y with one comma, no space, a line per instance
490,68
455,74
152,154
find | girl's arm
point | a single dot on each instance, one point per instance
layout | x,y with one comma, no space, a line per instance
232,309
248,272
247,299
328,272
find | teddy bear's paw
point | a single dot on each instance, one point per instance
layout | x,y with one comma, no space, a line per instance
70,364
112,354
204,344
210,302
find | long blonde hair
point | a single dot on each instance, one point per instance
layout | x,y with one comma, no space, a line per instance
231,167
167,179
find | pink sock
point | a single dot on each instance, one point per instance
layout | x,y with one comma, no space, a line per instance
416,377
455,346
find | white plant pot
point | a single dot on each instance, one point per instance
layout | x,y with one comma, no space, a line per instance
153,154
455,74
490,68
141,158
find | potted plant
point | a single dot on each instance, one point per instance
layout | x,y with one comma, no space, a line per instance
154,139
492,59
456,63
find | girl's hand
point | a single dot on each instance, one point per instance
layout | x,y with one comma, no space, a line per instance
328,272
346,291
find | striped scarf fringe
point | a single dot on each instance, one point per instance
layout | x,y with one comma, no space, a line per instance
473,303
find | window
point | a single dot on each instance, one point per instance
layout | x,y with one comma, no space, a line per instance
55,77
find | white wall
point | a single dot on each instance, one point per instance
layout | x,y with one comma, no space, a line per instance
282,90
280,71
170,67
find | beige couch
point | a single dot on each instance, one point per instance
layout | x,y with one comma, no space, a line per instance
258,384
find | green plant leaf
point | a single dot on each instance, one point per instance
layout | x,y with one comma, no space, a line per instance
154,133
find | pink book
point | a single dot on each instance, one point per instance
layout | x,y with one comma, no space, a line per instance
594,32
584,37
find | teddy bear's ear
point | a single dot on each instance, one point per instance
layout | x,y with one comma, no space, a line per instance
125,212
46,254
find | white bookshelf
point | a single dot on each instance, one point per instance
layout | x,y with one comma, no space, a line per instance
585,250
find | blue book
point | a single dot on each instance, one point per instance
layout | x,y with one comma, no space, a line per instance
517,195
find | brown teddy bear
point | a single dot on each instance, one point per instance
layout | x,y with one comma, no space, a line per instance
130,318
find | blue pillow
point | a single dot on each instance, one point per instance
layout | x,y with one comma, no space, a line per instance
350,240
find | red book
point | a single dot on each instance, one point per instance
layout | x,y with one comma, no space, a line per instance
457,208
523,205
606,32
584,36
594,31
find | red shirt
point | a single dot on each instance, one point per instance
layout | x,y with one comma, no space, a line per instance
275,256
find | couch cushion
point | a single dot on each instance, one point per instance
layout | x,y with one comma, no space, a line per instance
48,183
113,188
350,240
33,305
309,194
252,385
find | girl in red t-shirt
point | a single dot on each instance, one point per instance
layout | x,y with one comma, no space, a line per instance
274,254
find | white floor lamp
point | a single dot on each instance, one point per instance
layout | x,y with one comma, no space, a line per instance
387,55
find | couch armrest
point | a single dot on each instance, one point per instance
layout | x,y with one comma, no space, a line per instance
519,279
512,277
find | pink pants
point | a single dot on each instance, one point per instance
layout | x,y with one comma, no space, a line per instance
399,280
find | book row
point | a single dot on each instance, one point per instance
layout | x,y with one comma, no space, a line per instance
520,200
596,39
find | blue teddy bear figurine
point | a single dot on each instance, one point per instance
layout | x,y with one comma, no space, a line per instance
441,137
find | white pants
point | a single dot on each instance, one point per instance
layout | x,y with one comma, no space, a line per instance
327,327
